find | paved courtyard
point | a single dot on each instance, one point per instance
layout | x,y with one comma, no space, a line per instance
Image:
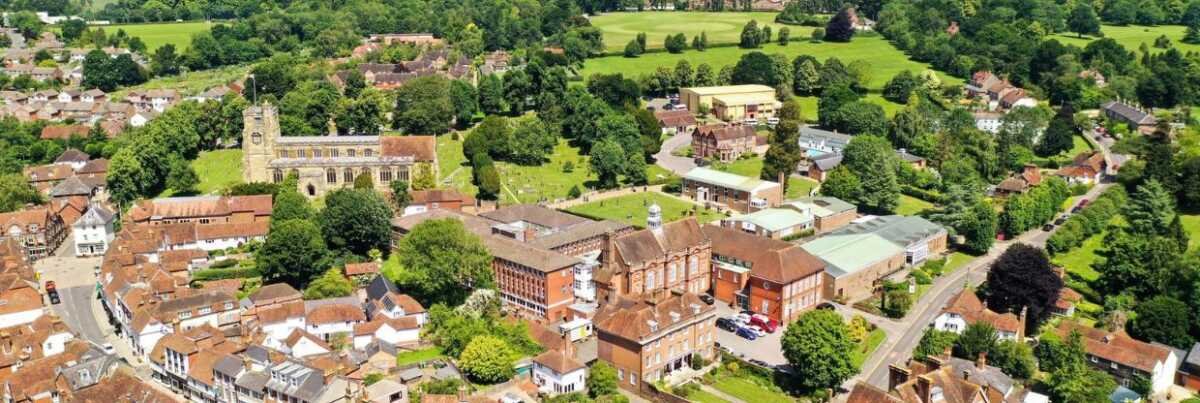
766,349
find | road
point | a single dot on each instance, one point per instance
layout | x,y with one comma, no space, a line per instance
678,165
898,347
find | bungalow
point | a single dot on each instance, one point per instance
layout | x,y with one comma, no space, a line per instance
736,192
1138,120
1029,177
966,308
676,121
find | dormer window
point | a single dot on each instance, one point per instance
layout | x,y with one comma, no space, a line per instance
653,325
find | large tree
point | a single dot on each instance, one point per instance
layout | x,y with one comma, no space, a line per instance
16,192
1022,278
1150,209
357,221
872,159
423,106
978,338
602,380
1083,20
441,262
819,336
488,360
840,28
1163,319
330,285
608,161
293,253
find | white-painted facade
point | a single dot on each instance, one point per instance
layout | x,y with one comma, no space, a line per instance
553,383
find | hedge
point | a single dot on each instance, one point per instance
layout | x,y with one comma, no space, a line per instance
1088,222
926,195
221,274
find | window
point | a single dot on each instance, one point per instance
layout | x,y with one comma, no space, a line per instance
350,152
671,273
649,280
385,175
766,306
333,152
277,176
368,153
348,175
205,310
693,263
185,314
330,176
228,306
403,174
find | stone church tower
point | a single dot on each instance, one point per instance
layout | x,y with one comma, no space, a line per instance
259,134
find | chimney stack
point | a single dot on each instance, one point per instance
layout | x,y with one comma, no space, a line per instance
981,361
897,375
925,388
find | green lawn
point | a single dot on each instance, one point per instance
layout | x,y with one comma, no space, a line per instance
955,261
216,169
193,82
700,396
155,35
721,28
1133,36
631,209
453,168
800,187
549,181
1191,225
413,357
911,206
752,167
1079,261
868,346
885,59
749,391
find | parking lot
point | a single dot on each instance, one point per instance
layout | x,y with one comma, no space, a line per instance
766,348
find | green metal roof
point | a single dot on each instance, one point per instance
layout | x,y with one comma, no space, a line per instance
774,219
725,179
823,206
900,230
850,253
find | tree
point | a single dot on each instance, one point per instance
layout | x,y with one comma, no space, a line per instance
16,192
1150,210
785,34
442,262
400,196
72,29
164,61
705,77
423,178
423,106
675,43
784,154
860,117
1162,319
1014,358
901,86
465,101
1083,20
751,37
759,68
978,338
840,28
614,89
819,336
608,162
1023,279
843,184
332,284
1059,137
632,49
181,177
871,158
27,23
364,115
805,78
602,380
487,359
933,343
364,182
293,253
491,95
356,220
289,204
126,176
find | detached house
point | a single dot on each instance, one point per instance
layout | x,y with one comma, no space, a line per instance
676,121
1125,358
723,142
1086,168
556,371
1029,177
966,308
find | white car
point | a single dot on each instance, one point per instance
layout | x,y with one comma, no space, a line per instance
772,121
741,318
751,121
757,331
108,348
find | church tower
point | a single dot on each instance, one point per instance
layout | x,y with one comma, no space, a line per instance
260,130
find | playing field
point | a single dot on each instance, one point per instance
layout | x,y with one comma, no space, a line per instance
155,35
720,28
885,59
1133,36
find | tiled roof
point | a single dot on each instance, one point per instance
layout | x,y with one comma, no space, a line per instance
967,305
274,292
1118,347
536,214
642,319
334,313
723,132
773,260
557,361
232,230
865,393
440,196
421,148
357,269
650,244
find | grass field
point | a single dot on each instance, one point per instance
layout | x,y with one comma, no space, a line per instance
749,391
416,356
191,83
1133,36
700,396
631,209
720,28
911,206
216,170
955,261
155,35
868,346
885,59
549,181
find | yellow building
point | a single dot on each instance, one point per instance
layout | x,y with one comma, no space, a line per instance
732,102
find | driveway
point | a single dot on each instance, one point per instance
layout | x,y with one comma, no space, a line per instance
678,165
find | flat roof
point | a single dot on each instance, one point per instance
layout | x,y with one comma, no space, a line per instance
725,179
746,98
822,206
900,230
729,89
849,253
774,219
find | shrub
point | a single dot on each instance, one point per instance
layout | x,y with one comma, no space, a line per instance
675,185
686,389
698,362
224,264
921,277
935,267
818,34
574,193
221,274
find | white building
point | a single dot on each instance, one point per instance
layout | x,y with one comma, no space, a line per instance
966,308
300,344
399,331
989,122
93,231
324,321
556,372
23,304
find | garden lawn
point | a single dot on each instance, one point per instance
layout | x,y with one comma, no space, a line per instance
752,167
868,346
911,206
631,209
1133,36
1191,225
701,396
549,181
721,28
955,261
749,391
416,356
216,170
192,83
886,61
453,168
155,35
1078,261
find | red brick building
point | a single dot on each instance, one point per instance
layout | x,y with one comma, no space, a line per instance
775,278
723,142
672,256
648,337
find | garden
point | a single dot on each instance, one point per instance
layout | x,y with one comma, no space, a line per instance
632,209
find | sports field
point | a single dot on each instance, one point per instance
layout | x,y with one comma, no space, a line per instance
720,28
155,35
885,59
1133,36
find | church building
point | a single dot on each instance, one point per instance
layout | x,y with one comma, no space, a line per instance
326,163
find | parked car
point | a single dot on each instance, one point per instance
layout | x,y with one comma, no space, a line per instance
758,331
1048,227
746,333
708,299
1076,209
751,121
826,306
743,318
1060,220
772,121
700,162
726,324
764,322
52,292
108,348
1083,202
760,363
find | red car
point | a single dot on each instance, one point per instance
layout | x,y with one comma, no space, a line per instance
762,321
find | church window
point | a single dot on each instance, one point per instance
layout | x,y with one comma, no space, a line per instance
385,175
403,174
350,152
333,152
348,175
277,176
368,152
330,175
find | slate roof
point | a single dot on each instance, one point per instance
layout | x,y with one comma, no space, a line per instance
72,186
96,215
650,244
1129,113
900,230
535,214
828,161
